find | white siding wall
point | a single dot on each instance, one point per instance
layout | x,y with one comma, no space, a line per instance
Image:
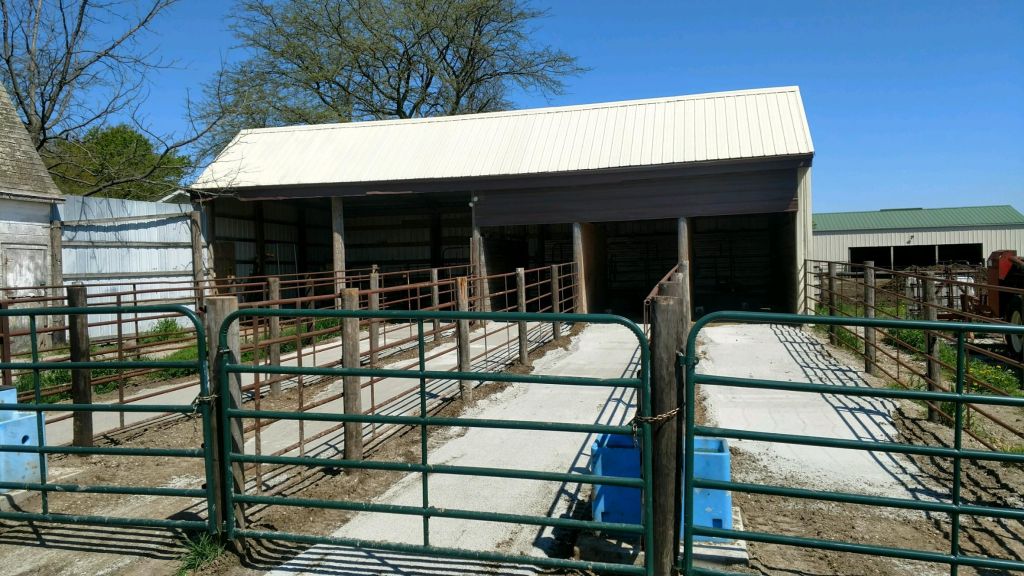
834,246
23,224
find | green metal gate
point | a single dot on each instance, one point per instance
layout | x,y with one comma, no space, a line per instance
955,508
45,488
238,497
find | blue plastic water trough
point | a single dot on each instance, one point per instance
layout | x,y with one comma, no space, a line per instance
17,429
618,455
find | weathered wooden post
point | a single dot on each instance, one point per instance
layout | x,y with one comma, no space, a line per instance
274,292
523,328
870,334
57,279
832,329
198,270
352,389
81,380
933,344
6,345
225,394
435,302
556,302
666,340
373,304
462,336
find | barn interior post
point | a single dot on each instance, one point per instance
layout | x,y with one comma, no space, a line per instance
338,242
581,272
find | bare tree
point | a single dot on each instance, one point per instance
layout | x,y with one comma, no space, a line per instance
67,79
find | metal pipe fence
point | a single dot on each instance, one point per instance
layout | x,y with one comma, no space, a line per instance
957,395
925,359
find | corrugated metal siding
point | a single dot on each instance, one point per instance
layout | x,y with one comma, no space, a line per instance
965,217
151,268
718,126
836,246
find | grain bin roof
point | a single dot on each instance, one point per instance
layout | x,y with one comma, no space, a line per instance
724,126
915,218
22,172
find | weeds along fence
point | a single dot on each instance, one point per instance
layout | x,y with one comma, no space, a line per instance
922,359
141,337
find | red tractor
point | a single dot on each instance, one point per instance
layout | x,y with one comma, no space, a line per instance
1006,270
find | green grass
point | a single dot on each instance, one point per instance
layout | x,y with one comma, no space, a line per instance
165,329
202,549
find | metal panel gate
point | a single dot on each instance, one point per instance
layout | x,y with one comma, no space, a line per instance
238,497
955,508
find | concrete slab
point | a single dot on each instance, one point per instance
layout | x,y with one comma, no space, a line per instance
600,351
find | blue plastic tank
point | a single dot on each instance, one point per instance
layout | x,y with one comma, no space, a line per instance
17,429
619,455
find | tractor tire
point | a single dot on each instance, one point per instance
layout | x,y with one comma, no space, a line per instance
1015,315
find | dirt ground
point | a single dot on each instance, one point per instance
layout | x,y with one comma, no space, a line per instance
984,483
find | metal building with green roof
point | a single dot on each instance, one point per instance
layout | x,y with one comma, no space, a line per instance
918,236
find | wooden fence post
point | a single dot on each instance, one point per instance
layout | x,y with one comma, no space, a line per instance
225,395
556,302
81,380
666,330
462,336
870,334
435,302
933,345
198,270
57,278
353,393
523,328
832,329
373,304
6,345
274,293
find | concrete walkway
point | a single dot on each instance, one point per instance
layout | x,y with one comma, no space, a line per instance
599,351
790,354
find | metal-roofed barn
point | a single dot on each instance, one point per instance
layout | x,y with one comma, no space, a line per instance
626,189
906,237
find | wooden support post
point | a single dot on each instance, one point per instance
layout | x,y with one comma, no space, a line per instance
57,279
227,394
435,301
833,337
933,343
274,293
6,346
81,382
556,301
685,293
870,334
198,270
683,240
581,272
462,336
523,328
373,303
353,394
338,243
666,332
483,285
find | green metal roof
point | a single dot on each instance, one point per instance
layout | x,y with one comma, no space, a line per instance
904,218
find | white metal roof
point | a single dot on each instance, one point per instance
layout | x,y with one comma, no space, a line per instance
744,124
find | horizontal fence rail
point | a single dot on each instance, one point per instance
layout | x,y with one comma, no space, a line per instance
418,415
957,396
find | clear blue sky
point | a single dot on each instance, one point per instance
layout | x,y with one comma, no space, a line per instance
911,103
